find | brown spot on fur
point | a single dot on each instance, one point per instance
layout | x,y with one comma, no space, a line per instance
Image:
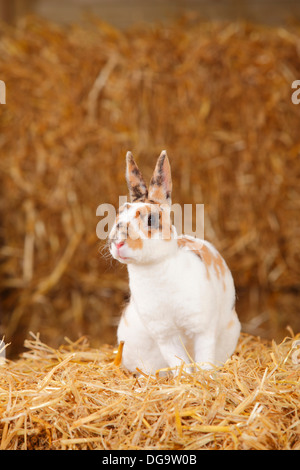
232,321
213,259
209,258
136,244
193,245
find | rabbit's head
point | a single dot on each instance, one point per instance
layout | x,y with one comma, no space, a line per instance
143,232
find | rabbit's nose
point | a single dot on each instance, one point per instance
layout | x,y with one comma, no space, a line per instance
118,245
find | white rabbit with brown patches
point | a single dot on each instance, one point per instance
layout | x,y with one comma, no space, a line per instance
182,301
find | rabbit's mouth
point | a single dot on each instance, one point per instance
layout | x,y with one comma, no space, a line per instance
118,250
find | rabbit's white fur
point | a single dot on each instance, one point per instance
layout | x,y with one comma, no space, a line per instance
182,302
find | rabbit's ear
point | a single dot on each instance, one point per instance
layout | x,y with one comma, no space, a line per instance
160,187
135,182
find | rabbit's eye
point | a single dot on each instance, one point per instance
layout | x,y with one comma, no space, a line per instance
152,220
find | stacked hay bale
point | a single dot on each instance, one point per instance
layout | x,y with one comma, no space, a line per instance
216,96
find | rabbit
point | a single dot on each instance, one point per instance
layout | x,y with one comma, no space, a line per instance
182,294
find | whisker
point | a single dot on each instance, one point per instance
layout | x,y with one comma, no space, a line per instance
103,250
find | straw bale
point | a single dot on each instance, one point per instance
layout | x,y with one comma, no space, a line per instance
217,96
77,397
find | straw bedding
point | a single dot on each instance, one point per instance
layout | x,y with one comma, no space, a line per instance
77,397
